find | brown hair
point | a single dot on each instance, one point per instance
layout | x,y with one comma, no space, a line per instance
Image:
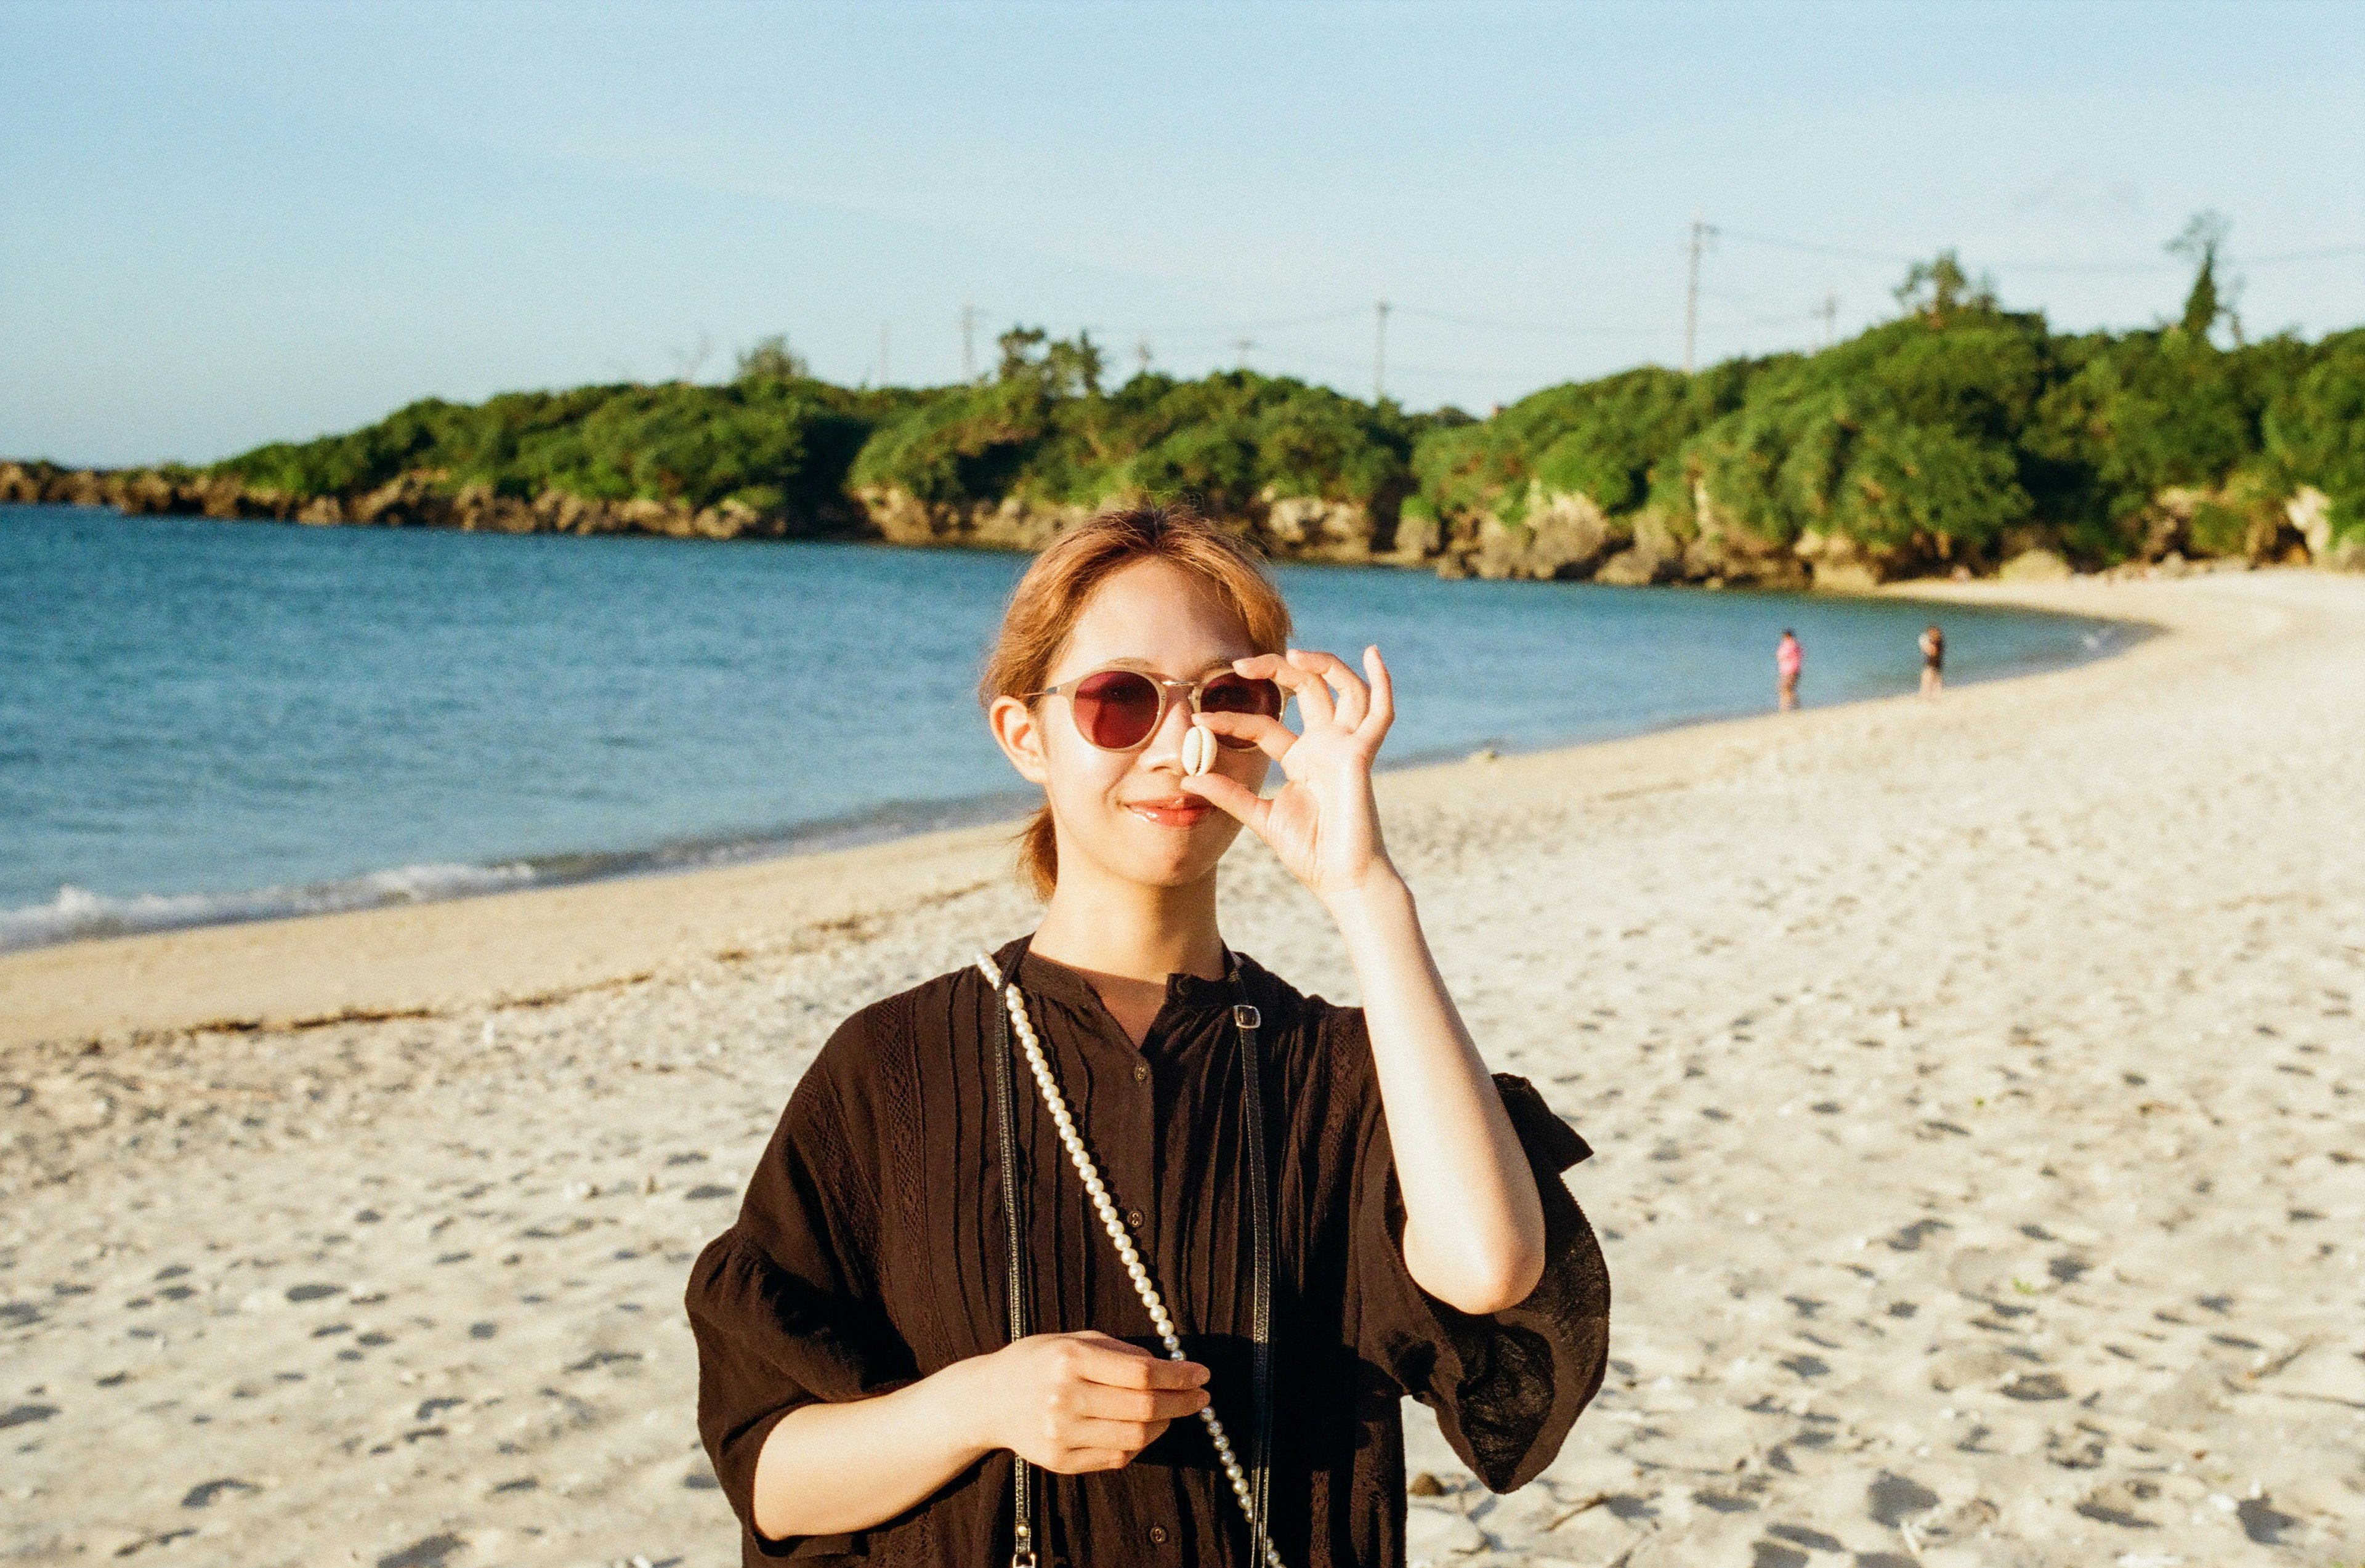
1043,610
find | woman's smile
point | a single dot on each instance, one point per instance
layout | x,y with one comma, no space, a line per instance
1171,811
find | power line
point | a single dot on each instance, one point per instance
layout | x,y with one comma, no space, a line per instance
1895,258
1495,324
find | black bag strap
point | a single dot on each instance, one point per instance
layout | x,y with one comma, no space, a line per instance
1245,1022
1022,1478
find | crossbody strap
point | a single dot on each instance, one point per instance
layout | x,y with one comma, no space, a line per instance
1245,1020
1021,1500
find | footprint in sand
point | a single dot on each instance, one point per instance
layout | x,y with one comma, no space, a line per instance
207,1494
1893,1499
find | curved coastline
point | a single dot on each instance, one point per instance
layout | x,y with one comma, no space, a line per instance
503,934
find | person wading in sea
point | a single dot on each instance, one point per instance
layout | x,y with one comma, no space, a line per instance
1789,658
1934,660
1113,1247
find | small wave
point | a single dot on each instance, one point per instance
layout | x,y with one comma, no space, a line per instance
77,912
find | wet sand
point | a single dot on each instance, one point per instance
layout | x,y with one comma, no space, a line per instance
1973,1082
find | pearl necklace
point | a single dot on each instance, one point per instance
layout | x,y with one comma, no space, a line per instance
1114,1223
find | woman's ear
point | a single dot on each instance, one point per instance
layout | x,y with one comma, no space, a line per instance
1020,738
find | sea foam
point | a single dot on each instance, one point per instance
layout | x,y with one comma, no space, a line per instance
77,912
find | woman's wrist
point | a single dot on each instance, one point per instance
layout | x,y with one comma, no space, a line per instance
1378,900
965,1403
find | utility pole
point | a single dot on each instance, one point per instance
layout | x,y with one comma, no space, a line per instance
1702,233
1244,344
882,354
1142,349
1380,356
1831,320
969,357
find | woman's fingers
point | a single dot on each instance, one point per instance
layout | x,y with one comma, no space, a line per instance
1231,797
1118,1363
1312,695
1270,736
1101,1403
1353,700
1384,695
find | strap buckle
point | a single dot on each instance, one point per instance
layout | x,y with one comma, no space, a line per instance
1245,1016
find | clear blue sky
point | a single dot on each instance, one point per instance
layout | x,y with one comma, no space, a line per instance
222,224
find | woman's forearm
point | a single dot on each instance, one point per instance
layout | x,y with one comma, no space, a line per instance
833,1467
1473,1222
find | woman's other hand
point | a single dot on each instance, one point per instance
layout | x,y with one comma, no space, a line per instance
1323,822
1074,1403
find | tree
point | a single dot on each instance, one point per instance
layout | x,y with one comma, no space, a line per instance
1938,289
2202,240
1063,368
771,359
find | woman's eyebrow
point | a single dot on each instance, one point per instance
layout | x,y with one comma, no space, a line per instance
1149,666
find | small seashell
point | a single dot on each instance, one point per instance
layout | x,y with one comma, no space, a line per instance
1198,750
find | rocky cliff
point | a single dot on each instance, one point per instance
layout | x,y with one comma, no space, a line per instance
1552,536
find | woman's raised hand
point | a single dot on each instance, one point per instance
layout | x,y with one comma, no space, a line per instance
1073,1403
1322,823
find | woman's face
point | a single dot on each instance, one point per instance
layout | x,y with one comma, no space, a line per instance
1126,811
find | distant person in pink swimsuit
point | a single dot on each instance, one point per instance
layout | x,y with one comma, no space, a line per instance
1787,659
1934,660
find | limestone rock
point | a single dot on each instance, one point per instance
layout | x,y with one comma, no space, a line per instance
1308,528
1631,568
1838,564
2038,566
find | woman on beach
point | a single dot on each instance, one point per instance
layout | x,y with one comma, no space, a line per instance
1019,1226
1934,660
1789,658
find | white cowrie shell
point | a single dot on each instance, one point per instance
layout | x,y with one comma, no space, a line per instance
1198,750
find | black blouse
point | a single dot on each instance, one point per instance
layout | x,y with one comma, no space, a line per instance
871,1252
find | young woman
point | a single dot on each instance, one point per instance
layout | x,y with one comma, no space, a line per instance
1021,1225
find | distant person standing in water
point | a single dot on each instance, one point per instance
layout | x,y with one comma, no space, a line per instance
1787,659
1934,660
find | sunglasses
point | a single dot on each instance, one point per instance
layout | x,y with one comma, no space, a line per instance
1119,709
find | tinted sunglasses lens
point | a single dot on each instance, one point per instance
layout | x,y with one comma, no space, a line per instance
1116,709
1238,694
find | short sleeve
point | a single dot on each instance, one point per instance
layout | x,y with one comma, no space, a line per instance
781,1304
1506,1387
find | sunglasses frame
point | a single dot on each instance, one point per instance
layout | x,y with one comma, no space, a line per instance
1166,687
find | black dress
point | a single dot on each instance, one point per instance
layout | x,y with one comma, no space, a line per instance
871,1252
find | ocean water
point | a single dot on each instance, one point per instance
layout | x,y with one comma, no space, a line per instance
204,721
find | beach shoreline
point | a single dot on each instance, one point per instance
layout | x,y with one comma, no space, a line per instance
529,945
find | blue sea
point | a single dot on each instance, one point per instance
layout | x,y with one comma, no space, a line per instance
204,721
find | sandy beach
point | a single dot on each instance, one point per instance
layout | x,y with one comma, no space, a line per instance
1973,1085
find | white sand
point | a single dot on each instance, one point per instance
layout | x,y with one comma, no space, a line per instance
1974,1087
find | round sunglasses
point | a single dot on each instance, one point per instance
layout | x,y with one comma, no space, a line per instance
1119,709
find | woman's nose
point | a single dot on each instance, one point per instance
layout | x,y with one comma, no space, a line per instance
1166,745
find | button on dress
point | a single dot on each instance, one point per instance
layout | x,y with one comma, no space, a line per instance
869,1251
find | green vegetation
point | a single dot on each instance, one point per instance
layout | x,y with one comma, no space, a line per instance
1959,432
